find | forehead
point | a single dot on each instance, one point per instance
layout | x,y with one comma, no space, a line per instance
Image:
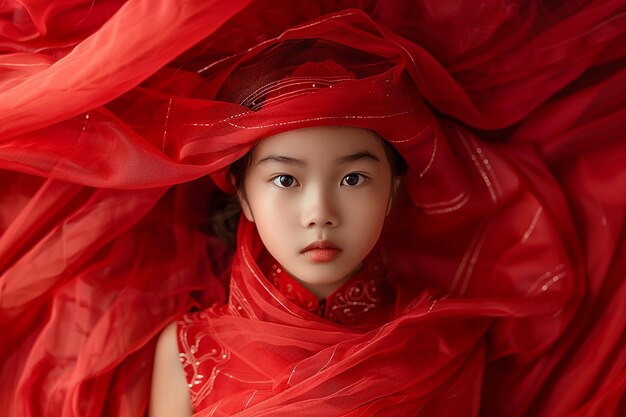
320,142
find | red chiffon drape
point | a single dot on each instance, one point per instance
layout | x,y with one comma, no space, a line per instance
511,117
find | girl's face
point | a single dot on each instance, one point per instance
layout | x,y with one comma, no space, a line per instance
319,197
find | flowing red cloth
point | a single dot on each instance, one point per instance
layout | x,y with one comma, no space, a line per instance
511,116
267,316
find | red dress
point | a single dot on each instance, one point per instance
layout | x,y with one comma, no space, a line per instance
119,119
216,367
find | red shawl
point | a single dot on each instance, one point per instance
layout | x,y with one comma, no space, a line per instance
244,354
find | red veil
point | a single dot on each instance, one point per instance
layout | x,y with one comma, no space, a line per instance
509,115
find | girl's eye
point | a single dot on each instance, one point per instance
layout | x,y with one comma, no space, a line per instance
353,180
285,181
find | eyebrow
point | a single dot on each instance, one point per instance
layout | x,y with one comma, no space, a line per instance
282,160
358,156
299,162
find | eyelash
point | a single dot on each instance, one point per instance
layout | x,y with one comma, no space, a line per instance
277,180
362,179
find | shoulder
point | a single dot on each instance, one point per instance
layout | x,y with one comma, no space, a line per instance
170,393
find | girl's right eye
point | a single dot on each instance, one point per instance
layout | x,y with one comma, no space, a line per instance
285,181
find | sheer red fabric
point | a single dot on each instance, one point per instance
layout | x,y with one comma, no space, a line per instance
510,115
265,318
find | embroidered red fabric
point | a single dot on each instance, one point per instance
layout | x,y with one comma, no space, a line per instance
511,118
219,359
368,297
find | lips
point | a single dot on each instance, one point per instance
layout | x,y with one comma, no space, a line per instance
320,244
321,251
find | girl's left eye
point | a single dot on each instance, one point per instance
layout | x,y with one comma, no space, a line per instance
285,181
353,179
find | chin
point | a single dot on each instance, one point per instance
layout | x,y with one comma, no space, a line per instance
326,275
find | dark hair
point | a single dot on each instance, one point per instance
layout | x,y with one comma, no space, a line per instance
240,168
396,161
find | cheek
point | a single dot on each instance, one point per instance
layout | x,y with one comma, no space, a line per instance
273,219
366,216
368,223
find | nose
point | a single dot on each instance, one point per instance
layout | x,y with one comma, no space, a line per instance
319,208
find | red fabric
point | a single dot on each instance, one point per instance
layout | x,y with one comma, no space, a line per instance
368,297
510,115
267,316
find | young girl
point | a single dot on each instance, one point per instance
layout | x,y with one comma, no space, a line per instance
318,198
327,312
105,149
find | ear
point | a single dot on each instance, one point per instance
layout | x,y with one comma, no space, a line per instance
245,207
395,184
